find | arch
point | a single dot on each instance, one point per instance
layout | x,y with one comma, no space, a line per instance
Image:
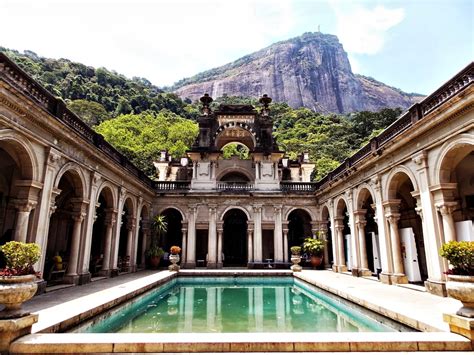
78,178
362,193
248,138
109,193
129,202
307,210
235,169
393,181
235,176
162,209
325,213
449,156
145,211
340,204
234,244
22,152
221,218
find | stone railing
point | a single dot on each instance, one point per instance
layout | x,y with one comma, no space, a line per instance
235,187
172,186
415,113
17,78
297,187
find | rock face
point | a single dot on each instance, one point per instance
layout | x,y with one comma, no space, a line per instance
311,71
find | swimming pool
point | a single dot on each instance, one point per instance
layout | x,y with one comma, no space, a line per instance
237,305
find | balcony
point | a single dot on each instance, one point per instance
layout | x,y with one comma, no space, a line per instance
298,187
235,187
172,186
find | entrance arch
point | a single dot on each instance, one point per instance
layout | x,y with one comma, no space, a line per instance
235,238
299,228
344,235
412,247
367,231
173,235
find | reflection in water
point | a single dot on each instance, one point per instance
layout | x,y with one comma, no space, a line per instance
235,308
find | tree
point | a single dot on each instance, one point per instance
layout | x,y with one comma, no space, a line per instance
90,112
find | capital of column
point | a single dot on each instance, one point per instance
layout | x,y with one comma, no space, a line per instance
257,208
277,208
391,206
250,226
339,223
421,159
131,223
192,209
24,205
393,218
446,208
212,209
79,217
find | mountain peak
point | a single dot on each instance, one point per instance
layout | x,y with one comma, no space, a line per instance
311,70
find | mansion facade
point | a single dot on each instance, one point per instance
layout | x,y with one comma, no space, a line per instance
385,211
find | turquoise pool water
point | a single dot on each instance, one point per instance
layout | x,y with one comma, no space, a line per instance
235,304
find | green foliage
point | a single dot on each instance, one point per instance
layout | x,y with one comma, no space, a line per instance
141,137
20,257
460,256
154,251
114,92
313,246
91,112
295,250
237,149
160,226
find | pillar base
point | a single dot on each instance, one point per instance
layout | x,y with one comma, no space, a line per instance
221,265
211,265
105,273
339,268
189,265
398,279
72,279
41,287
11,329
296,268
365,272
461,325
85,278
385,278
436,287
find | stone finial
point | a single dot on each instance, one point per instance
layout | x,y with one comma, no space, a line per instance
206,101
265,100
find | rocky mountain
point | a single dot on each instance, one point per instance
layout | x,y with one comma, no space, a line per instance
311,70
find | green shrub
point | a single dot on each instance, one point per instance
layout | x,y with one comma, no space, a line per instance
313,246
20,257
296,250
460,256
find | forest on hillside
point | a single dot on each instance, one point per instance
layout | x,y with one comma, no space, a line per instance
140,120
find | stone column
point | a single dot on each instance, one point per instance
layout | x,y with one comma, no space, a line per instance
191,246
249,243
145,234
78,217
449,230
24,209
131,222
220,232
285,242
360,226
323,230
257,217
184,235
110,219
398,269
341,259
278,236
212,239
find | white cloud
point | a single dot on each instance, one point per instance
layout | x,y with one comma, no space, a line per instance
162,40
363,30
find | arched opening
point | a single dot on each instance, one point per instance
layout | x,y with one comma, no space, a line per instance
126,237
369,227
342,222
235,238
410,228
235,176
174,235
142,242
457,197
299,228
99,229
15,166
60,234
235,149
234,133
326,228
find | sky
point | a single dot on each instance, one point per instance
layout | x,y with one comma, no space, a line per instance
414,45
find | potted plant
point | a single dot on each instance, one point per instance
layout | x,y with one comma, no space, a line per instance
17,280
295,258
154,253
460,285
315,248
174,258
